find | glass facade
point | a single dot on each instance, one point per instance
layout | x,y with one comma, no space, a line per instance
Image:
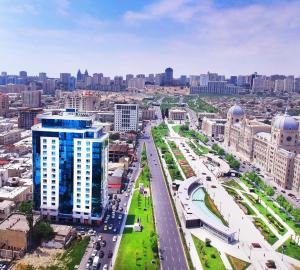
94,153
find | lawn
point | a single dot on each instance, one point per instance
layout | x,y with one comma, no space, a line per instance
199,105
264,211
185,166
158,133
273,206
237,264
234,184
184,131
209,255
265,231
213,208
290,248
138,250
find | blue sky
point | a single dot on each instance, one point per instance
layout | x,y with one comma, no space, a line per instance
143,36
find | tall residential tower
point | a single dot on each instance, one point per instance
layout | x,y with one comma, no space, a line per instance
70,156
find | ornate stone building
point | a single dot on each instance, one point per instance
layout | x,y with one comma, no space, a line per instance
274,148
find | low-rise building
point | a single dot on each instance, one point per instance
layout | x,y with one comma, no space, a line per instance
10,137
176,114
6,208
213,128
148,114
14,232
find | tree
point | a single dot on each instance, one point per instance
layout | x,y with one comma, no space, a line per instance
42,232
26,207
207,242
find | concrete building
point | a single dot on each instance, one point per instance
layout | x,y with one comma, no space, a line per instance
216,88
84,101
32,99
10,136
279,86
6,208
274,148
214,128
28,117
289,84
177,114
14,232
126,117
4,104
70,156
148,114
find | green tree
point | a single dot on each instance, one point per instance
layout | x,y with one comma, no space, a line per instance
26,207
42,232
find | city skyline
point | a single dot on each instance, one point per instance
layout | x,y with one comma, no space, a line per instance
147,36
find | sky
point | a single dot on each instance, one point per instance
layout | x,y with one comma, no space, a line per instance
117,37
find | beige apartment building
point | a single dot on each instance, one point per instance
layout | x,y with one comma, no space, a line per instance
274,148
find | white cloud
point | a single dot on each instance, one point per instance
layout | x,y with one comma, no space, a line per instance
62,7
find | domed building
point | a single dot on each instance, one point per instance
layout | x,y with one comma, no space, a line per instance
274,148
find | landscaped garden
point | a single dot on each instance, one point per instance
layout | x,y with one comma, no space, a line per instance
139,250
185,166
234,184
184,131
158,134
237,264
197,104
233,163
269,236
291,248
209,203
209,255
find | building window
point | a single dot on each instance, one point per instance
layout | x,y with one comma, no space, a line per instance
87,190
88,143
88,149
78,155
44,140
53,158
78,200
78,142
78,148
44,152
88,155
88,161
44,146
53,141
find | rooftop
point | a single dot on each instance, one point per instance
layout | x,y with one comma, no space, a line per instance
16,222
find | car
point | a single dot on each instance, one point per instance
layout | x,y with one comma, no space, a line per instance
103,243
87,266
126,195
120,216
97,246
110,254
271,264
114,238
105,228
120,209
90,260
115,230
101,254
94,253
91,232
105,267
110,226
125,204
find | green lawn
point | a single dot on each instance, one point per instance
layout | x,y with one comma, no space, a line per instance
213,208
158,133
264,211
234,184
138,250
273,206
184,131
269,236
209,256
197,104
291,249
237,264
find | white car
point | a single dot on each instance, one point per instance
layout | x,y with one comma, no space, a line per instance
105,267
114,238
94,253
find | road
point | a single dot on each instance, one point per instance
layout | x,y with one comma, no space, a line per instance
171,249
115,223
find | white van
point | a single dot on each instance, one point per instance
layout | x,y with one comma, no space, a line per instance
96,262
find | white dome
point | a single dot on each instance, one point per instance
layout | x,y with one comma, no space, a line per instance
236,110
285,122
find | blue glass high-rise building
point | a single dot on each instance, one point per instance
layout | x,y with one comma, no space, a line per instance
70,157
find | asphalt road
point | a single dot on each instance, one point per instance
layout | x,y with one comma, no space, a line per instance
115,223
171,250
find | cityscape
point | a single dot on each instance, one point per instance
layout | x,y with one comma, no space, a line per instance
149,135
